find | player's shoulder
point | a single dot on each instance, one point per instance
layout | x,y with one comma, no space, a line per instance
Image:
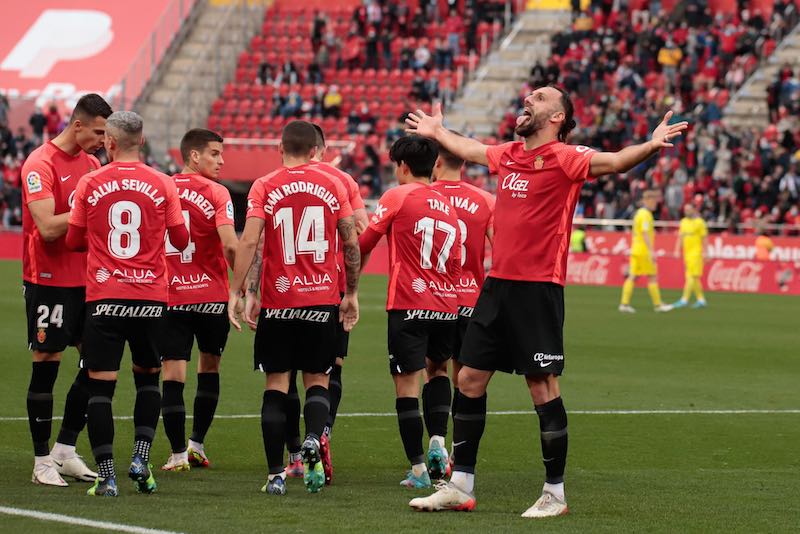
270,177
476,191
568,150
41,155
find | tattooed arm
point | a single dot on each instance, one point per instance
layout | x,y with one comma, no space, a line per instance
252,302
348,310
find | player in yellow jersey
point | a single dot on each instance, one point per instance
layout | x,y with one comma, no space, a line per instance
692,238
643,259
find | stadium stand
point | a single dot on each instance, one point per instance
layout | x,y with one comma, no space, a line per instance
624,69
357,69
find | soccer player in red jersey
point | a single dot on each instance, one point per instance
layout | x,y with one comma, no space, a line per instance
198,296
120,215
518,320
424,263
475,210
54,283
301,209
295,467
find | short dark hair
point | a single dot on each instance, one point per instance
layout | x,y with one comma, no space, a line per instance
298,138
320,135
90,106
197,139
418,152
451,160
569,111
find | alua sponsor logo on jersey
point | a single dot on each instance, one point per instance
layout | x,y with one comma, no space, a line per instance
544,359
137,275
313,282
185,280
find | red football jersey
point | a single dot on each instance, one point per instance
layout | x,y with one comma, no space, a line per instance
199,273
356,202
126,208
424,253
475,210
301,207
537,191
49,172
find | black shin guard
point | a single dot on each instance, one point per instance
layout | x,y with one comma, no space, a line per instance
410,422
426,406
335,392
437,407
75,409
173,412
145,412
101,423
205,405
273,429
468,425
553,432
40,405
316,410
454,407
292,410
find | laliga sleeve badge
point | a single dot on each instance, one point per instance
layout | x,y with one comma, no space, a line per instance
538,163
34,182
41,336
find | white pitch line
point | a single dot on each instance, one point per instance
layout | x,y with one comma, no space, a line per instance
743,411
70,520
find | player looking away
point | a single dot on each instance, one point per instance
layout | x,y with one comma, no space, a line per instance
121,214
643,255
692,236
424,239
299,208
54,285
518,320
198,296
475,210
295,467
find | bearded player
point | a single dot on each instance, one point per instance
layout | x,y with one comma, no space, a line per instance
517,325
54,284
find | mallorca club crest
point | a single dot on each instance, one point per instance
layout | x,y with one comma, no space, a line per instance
538,163
41,335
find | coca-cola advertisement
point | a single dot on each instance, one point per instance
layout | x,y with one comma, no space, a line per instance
743,276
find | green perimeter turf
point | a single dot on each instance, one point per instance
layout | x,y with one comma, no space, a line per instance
643,473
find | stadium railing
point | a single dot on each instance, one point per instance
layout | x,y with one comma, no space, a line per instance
152,52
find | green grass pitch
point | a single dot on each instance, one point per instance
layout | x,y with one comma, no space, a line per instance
667,472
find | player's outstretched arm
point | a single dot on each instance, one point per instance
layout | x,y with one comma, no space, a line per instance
244,259
432,126
348,310
50,226
629,157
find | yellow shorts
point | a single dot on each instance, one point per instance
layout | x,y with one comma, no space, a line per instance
642,265
694,266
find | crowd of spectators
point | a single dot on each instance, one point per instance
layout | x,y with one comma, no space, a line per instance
624,70
380,34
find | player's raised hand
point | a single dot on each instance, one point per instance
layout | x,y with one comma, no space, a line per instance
233,301
251,309
348,312
421,123
665,132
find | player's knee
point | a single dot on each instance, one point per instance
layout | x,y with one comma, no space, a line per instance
434,369
208,363
174,370
543,388
340,361
46,356
146,370
407,384
472,382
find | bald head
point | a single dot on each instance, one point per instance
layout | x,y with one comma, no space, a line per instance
125,128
